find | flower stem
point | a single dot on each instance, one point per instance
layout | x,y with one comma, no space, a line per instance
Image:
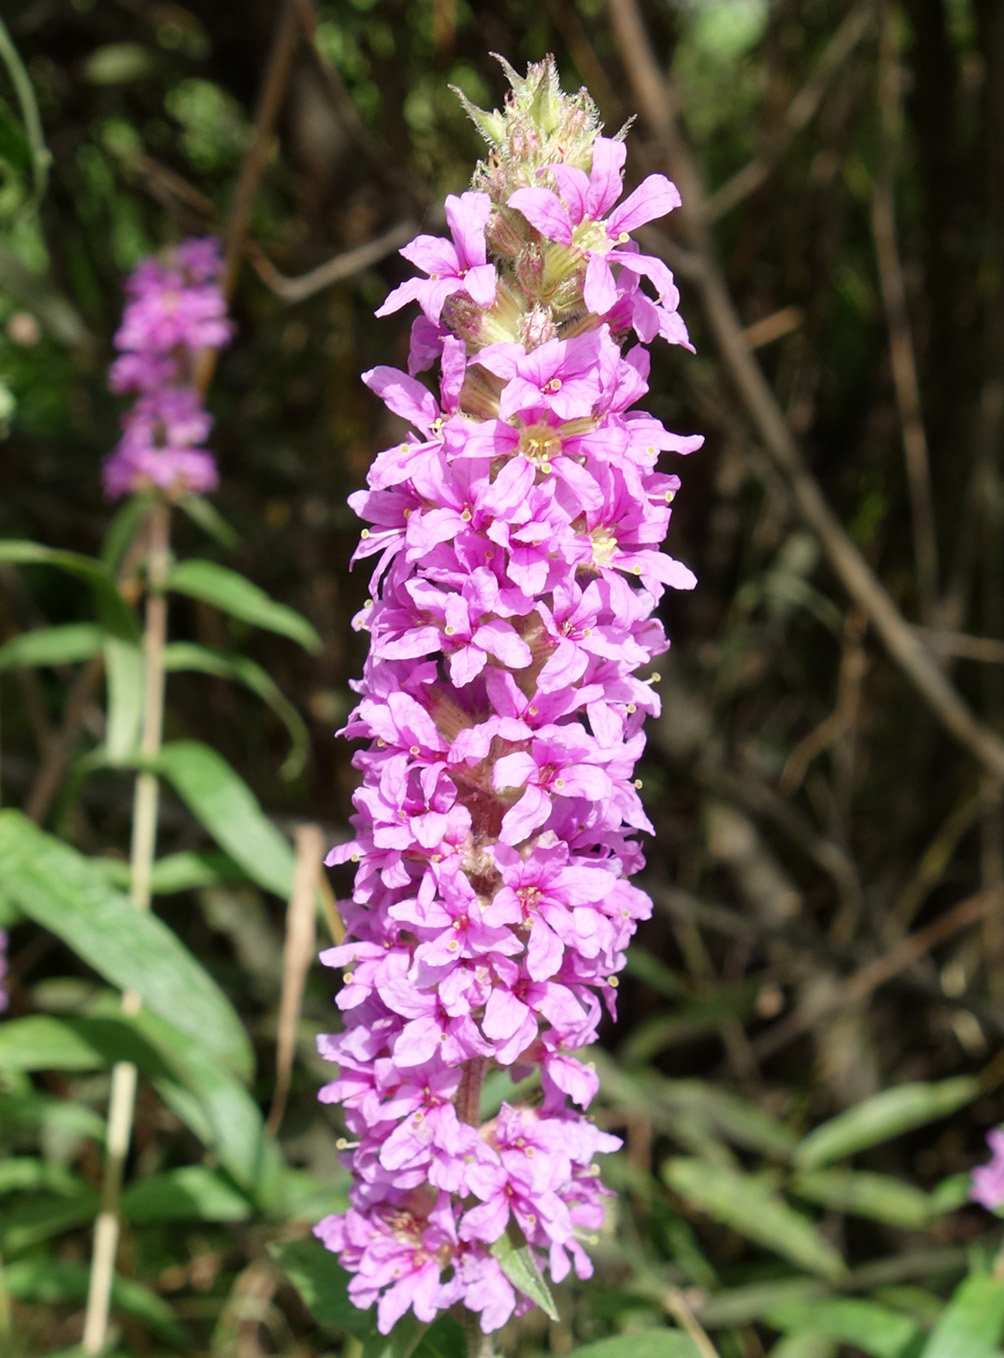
468,1101
479,1344
122,1096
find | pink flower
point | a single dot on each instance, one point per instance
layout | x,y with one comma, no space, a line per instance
987,1186
457,266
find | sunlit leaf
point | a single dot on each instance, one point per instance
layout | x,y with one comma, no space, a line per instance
879,1197
972,1324
185,655
521,1268
189,1192
67,894
884,1116
65,645
642,1344
751,1207
223,803
876,1330
235,595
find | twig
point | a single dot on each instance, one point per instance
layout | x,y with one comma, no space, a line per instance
868,979
797,115
122,1096
904,365
298,955
334,270
269,104
853,664
944,642
676,1305
899,638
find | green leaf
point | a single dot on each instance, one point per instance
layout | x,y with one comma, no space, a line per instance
64,645
751,1302
740,1121
972,1325
445,1338
29,1221
874,1329
67,894
190,1192
212,1102
237,596
883,1117
402,1342
185,655
125,524
189,870
878,1197
78,1042
750,1206
125,669
31,1109
222,802
804,1344
51,1282
642,1344
123,657
520,1267
323,1285
206,516
25,1174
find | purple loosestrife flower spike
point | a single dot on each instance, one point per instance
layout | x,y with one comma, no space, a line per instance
175,308
516,529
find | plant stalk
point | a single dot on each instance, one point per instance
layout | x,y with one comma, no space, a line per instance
122,1096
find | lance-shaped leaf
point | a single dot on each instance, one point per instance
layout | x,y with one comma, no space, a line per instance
521,1268
123,656
235,595
874,1329
751,1206
972,1325
226,806
644,1344
185,655
883,1116
52,1282
67,894
65,645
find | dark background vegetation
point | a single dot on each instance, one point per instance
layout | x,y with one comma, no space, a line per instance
828,867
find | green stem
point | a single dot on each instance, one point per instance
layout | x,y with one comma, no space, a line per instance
122,1096
479,1344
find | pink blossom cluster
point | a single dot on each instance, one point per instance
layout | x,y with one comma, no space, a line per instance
516,529
987,1185
175,309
